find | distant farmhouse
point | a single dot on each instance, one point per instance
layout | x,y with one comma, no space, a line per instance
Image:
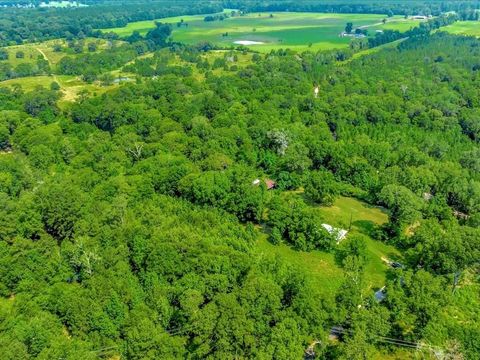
268,182
420,17
353,35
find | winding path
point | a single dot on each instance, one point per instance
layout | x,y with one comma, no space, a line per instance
49,63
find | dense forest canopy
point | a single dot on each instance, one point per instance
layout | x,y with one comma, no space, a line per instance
135,217
138,196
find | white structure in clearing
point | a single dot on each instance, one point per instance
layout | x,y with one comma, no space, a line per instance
339,234
316,91
248,42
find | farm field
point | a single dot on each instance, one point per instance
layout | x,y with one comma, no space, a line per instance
265,31
398,24
470,28
322,267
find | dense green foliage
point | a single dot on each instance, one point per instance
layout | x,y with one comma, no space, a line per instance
405,7
18,25
129,219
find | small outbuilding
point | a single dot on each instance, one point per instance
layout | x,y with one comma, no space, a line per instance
268,182
338,233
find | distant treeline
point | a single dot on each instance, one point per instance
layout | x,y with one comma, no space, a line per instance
422,30
19,24
408,7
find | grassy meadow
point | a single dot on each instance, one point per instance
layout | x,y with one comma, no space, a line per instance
297,31
71,86
396,23
34,51
469,28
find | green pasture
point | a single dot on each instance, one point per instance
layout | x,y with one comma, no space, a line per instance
28,83
326,274
395,23
298,31
54,57
34,51
71,86
30,55
469,28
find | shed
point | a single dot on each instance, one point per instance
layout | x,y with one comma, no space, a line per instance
380,295
268,182
338,233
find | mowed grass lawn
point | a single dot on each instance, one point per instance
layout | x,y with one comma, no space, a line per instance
364,219
298,31
470,28
322,268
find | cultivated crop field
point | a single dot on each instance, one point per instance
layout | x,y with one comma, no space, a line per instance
298,31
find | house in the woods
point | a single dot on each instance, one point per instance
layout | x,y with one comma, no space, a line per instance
270,184
420,17
338,234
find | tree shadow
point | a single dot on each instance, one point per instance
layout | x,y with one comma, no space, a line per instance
395,257
339,255
366,227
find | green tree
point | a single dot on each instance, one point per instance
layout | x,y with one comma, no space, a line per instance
40,100
60,205
349,28
321,187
